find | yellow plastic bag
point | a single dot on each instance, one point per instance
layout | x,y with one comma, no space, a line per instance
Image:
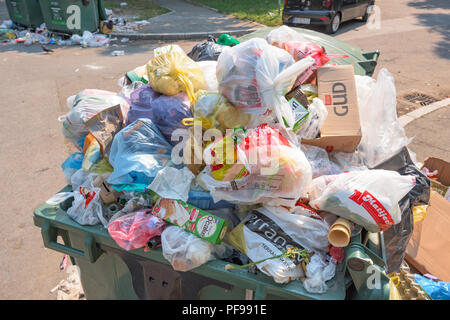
174,72
215,111
419,213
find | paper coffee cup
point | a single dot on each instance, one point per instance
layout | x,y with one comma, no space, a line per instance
340,232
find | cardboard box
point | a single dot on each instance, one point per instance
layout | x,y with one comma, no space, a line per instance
107,193
442,183
203,224
341,130
428,250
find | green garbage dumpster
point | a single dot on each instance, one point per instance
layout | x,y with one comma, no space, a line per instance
72,16
25,12
109,272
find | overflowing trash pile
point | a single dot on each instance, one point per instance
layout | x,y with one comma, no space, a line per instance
256,153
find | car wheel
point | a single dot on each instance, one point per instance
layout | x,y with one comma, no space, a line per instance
334,24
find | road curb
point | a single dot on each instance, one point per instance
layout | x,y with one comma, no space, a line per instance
413,115
180,36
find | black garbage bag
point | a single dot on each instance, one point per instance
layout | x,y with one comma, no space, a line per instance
209,50
396,238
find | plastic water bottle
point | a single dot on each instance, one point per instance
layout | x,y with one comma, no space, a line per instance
118,53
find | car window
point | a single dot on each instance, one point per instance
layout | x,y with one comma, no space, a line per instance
347,2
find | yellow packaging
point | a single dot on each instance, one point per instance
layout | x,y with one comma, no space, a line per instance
174,72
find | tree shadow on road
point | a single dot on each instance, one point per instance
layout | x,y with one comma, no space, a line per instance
438,22
430,4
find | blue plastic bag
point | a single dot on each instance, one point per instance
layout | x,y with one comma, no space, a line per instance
166,112
204,201
137,153
437,290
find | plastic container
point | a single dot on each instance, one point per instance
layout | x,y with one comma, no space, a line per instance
25,12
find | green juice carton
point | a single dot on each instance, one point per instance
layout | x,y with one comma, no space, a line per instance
192,219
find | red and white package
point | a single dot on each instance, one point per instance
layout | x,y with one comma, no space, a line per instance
368,198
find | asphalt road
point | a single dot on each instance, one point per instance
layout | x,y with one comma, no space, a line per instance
413,39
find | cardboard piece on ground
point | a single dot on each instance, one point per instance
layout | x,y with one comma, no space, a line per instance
341,130
443,167
428,249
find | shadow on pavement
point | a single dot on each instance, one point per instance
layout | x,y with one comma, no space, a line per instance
439,23
430,4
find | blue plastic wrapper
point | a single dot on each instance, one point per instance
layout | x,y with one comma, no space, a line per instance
437,290
137,153
166,112
204,201
72,164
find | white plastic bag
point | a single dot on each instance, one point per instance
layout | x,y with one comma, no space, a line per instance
317,115
282,34
368,198
87,206
342,162
382,134
273,84
173,183
318,271
209,71
269,231
184,250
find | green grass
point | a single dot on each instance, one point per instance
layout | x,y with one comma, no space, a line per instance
144,9
254,10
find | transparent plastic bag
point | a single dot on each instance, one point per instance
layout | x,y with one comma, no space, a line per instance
273,84
255,76
87,207
270,169
134,230
317,116
172,183
209,71
84,106
184,250
137,153
318,271
318,158
382,134
282,34
174,72
236,74
368,198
